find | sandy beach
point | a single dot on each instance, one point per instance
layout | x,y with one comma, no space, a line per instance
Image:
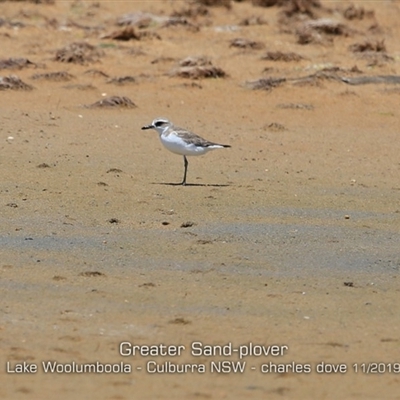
273,274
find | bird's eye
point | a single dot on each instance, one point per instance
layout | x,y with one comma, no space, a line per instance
159,123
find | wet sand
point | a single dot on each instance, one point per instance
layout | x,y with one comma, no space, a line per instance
290,238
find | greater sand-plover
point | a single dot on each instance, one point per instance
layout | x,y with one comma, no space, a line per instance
181,141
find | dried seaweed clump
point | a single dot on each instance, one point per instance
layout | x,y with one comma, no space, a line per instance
193,11
267,3
181,21
292,7
126,33
13,82
312,31
253,20
280,56
304,18
376,47
113,102
215,3
265,83
59,76
329,26
295,7
192,61
97,73
15,63
274,127
295,106
141,20
353,12
138,19
78,53
375,52
122,80
197,68
246,44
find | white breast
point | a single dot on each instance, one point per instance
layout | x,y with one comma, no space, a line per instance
178,146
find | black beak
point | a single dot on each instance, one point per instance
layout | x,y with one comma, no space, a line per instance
147,127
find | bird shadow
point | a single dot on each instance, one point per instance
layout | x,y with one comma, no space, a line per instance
190,184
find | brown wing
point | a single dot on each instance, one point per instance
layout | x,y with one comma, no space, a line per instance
192,138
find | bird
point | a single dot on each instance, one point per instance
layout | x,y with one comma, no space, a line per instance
181,141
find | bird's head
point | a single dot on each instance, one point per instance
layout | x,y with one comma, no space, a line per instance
159,124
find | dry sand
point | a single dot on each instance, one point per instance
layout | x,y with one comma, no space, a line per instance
291,237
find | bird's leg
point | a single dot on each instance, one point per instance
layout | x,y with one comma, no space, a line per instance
185,162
